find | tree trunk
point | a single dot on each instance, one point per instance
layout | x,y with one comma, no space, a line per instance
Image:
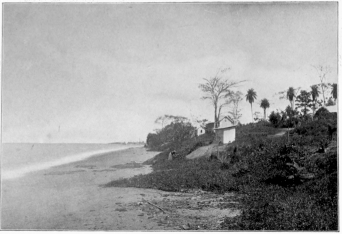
265,113
252,113
314,108
215,117
323,94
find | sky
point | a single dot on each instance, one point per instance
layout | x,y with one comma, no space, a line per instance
99,73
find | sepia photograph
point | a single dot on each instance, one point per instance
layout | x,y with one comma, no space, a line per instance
170,116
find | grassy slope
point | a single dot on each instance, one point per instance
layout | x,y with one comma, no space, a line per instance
276,198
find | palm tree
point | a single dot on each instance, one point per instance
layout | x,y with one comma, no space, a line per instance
314,93
264,105
334,91
290,95
250,97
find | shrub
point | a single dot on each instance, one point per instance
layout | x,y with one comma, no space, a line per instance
275,118
180,175
171,136
277,198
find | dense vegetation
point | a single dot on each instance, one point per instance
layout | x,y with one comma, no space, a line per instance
286,185
287,182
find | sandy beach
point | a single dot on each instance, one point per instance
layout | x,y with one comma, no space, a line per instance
72,197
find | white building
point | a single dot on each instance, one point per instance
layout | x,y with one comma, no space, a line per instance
200,131
226,133
331,108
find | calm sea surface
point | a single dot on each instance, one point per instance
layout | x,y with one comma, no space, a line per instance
19,159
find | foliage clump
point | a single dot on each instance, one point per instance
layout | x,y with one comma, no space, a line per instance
171,136
291,185
286,184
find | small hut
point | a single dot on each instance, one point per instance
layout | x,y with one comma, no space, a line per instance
200,131
225,132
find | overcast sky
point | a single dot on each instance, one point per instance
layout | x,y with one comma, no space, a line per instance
104,72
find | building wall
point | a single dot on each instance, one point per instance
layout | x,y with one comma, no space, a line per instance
229,135
200,131
225,123
225,135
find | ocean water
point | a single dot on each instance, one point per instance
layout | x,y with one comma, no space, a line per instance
18,159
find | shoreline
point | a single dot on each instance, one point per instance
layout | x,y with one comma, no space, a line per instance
76,157
70,196
73,197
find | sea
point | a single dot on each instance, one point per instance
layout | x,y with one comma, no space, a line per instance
18,159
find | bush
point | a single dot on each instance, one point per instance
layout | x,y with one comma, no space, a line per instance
275,118
277,197
317,127
247,133
181,175
170,137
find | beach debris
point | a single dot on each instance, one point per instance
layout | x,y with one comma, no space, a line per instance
156,206
186,226
220,221
121,209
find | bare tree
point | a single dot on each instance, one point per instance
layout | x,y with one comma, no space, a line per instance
235,111
322,74
202,122
218,90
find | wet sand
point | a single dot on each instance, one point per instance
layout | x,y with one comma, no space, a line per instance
71,197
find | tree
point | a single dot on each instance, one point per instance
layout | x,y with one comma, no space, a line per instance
202,122
289,112
321,113
330,102
165,119
303,101
218,90
250,97
235,98
322,74
314,94
334,91
153,140
290,95
172,136
292,116
275,118
264,105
